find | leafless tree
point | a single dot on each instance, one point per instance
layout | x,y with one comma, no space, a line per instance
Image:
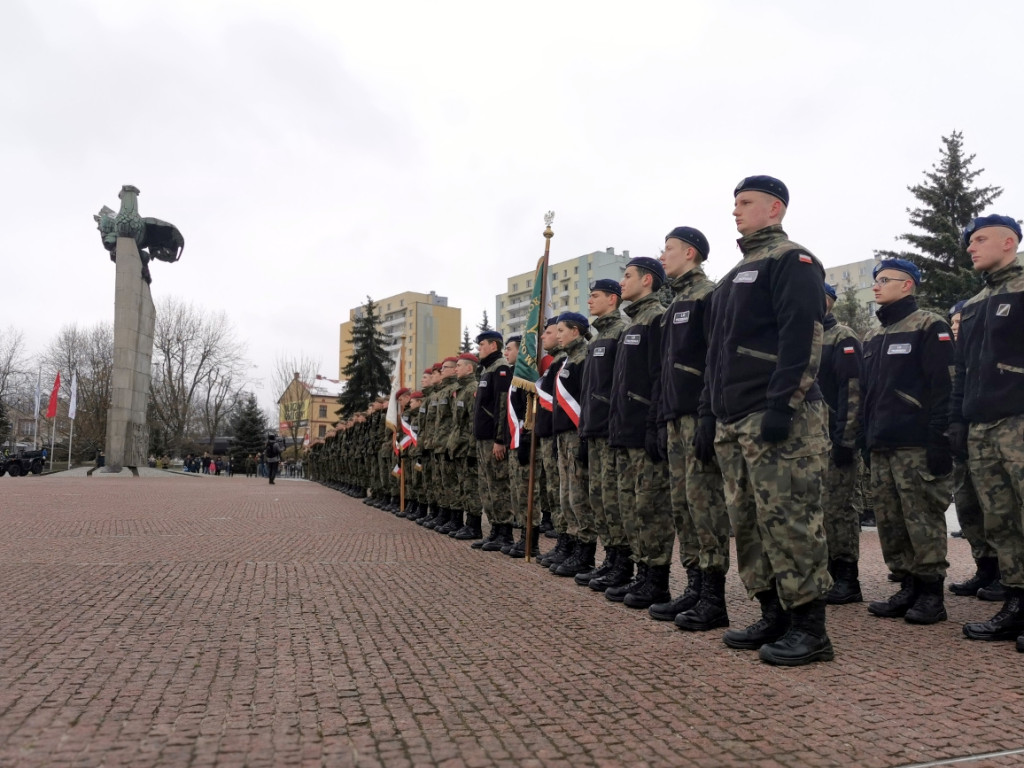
195,358
89,353
13,359
294,412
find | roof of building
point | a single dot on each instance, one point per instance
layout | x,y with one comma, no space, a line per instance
324,387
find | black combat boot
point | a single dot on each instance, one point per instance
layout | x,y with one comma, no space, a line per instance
620,574
443,514
471,530
421,511
772,625
805,641
928,607
509,545
668,611
492,536
504,537
519,550
993,593
618,594
392,504
546,527
559,550
581,560
846,586
430,517
370,501
987,571
897,605
454,523
572,544
709,612
583,579
654,590
867,518
1005,625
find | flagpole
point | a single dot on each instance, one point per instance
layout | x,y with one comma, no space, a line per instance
531,401
35,429
71,438
53,434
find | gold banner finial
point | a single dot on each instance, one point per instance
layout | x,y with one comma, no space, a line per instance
548,218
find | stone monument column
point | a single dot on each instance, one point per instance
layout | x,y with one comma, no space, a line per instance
134,323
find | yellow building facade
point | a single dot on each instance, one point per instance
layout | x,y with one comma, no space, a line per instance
306,411
431,328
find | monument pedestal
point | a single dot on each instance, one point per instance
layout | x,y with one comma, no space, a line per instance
134,324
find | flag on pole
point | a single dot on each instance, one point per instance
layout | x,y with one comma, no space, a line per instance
73,405
38,393
527,370
391,419
409,435
51,409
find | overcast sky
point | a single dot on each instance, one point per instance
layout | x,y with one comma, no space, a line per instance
315,152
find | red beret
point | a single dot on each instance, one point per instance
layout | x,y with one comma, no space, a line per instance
451,359
429,370
417,395
469,356
437,367
402,391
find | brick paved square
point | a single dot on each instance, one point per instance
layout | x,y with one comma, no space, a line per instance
202,621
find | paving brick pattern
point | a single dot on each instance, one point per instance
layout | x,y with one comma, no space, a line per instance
172,621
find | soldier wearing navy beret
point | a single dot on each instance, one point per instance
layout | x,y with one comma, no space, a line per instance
698,509
771,440
905,390
489,428
988,409
633,434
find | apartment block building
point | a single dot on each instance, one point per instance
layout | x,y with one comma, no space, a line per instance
569,286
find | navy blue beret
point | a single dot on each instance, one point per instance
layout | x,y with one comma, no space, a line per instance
693,237
517,339
993,220
900,265
607,285
489,335
651,265
957,308
830,291
576,319
550,321
767,184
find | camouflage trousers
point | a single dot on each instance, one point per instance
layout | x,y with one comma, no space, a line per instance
864,497
698,501
604,493
519,485
842,520
552,483
644,504
467,498
910,506
426,473
968,512
449,494
492,478
997,465
573,488
773,493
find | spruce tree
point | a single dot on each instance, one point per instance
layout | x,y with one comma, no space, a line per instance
853,313
368,370
467,344
949,202
485,324
249,426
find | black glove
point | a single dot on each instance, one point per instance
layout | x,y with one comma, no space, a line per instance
704,440
583,454
651,445
775,425
958,441
663,441
939,460
522,453
841,456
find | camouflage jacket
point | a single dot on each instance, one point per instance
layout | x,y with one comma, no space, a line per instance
906,378
460,441
598,373
839,379
637,375
766,328
443,413
684,346
569,387
989,381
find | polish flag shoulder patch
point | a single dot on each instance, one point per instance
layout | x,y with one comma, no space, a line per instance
806,259
945,337
848,350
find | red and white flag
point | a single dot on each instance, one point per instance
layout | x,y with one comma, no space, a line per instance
51,409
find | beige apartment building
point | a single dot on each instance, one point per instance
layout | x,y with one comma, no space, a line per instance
570,286
431,328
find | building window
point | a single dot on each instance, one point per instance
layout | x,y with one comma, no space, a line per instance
529,283
576,270
401,302
322,431
322,412
389,306
515,286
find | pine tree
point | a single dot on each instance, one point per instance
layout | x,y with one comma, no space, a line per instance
949,203
249,426
853,313
368,370
467,344
485,324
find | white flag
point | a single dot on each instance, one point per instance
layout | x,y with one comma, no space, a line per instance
38,392
73,405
